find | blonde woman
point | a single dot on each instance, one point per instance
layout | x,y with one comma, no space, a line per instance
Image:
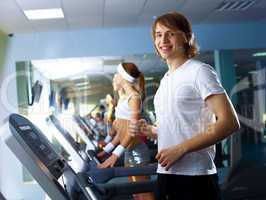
130,84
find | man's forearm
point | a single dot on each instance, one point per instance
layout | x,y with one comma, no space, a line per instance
215,133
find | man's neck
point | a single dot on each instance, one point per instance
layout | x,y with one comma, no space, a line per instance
175,63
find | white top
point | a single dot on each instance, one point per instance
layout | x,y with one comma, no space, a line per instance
182,113
122,110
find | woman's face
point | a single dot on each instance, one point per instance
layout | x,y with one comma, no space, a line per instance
117,80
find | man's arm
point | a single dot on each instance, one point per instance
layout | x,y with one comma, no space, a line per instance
227,122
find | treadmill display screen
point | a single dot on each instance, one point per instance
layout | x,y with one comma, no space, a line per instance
25,128
37,144
31,138
33,135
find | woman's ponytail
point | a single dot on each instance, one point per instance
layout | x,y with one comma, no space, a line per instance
142,86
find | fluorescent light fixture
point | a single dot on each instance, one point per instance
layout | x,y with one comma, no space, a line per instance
149,78
264,118
44,14
84,88
78,76
68,67
253,72
259,54
82,84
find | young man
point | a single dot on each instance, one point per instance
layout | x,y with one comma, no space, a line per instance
193,113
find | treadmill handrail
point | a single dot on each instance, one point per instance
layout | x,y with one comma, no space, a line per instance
112,189
104,175
127,188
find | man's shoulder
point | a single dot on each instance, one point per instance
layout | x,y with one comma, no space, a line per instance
199,67
196,64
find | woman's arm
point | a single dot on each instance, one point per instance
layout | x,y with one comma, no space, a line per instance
135,106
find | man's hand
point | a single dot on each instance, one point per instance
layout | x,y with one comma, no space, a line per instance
110,162
140,127
167,157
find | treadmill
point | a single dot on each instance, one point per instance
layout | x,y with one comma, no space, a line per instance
247,179
88,127
57,178
89,158
48,168
2,197
78,154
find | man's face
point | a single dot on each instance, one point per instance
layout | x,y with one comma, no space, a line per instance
169,43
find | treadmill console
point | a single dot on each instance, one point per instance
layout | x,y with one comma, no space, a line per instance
38,144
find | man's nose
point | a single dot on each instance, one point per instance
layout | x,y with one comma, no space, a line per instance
165,38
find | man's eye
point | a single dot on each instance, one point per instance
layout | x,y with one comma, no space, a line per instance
158,35
172,34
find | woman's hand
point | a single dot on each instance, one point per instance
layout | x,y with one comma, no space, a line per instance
101,154
134,127
167,157
110,162
101,144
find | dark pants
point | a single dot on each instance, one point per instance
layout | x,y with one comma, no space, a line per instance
181,187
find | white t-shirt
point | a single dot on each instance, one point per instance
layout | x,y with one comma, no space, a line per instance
182,113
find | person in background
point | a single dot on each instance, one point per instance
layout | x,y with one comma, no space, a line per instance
109,118
193,113
100,125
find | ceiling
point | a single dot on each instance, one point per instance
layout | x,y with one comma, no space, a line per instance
81,14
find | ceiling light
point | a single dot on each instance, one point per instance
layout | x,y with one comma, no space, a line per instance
149,78
68,67
82,84
253,72
44,14
259,54
84,88
264,118
238,5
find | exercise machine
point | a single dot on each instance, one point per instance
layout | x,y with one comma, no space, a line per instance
56,177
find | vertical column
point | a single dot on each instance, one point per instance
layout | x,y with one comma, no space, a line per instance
260,97
224,66
3,47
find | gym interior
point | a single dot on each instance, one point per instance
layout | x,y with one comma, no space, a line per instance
56,74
